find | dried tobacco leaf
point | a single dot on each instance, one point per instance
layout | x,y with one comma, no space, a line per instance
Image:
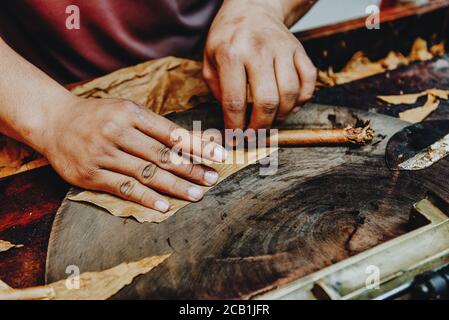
439,93
420,51
4,286
394,60
164,85
416,115
438,49
16,157
360,66
237,160
6,245
410,98
92,285
420,113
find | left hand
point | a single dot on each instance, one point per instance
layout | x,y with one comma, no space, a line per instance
249,43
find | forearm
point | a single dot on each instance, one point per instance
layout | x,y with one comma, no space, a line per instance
28,99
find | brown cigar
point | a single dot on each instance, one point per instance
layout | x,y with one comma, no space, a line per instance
347,136
313,137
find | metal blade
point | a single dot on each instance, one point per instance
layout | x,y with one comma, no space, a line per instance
418,146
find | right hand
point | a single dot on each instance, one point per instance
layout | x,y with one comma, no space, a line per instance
120,148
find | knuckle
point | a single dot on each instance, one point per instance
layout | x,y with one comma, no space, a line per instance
176,134
112,129
89,173
127,187
290,94
226,53
104,152
143,196
234,105
128,105
268,105
191,170
149,172
164,155
174,129
177,186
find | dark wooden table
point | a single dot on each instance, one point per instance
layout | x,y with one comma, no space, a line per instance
29,201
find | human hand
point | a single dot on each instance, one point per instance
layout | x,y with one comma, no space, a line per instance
249,42
118,147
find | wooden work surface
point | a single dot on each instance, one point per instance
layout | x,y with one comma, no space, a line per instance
30,201
253,233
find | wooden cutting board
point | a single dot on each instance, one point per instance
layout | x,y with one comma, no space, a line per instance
254,233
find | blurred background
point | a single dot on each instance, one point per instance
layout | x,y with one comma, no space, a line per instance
327,12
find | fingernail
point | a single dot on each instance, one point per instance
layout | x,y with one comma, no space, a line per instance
161,206
195,193
219,154
296,109
211,177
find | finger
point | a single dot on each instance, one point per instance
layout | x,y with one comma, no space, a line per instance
307,73
288,85
210,75
150,175
263,85
172,135
136,143
130,189
232,79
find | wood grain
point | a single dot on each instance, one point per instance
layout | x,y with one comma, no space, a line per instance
251,234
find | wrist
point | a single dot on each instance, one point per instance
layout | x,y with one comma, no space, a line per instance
42,129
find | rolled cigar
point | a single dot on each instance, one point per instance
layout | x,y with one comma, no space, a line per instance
310,137
349,135
36,293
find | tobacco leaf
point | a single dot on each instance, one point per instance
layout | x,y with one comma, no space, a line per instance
412,98
416,115
6,245
360,66
420,51
163,85
439,93
4,286
420,113
409,98
394,60
438,49
92,285
16,157
236,161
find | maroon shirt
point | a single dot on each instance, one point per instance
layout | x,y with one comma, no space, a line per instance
112,33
